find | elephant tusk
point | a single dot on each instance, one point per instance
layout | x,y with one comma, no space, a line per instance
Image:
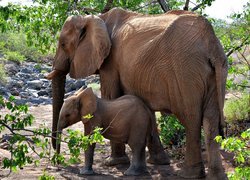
51,75
54,74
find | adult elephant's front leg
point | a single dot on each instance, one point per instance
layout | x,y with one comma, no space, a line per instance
110,89
193,166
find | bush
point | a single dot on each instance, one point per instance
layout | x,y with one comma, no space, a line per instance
2,74
171,131
23,141
16,42
238,146
46,176
237,108
14,56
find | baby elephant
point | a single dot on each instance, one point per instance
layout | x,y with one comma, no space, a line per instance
124,120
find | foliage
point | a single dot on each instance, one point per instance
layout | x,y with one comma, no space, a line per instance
16,42
235,40
46,176
14,56
2,73
23,140
238,146
171,130
42,21
237,108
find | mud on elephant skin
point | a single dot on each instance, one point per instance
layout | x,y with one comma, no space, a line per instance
173,62
124,120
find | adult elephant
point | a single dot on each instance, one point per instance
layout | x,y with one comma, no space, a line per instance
173,61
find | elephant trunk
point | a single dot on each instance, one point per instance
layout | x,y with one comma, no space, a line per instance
58,90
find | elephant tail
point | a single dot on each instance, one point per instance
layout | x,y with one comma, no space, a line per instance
219,62
220,66
220,95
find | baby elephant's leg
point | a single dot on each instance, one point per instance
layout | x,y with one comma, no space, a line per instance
89,154
138,164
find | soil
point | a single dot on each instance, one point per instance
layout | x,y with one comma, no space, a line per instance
43,115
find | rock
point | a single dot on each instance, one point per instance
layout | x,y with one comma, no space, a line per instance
4,92
35,84
19,100
42,93
70,86
49,91
15,84
26,81
35,101
46,100
14,92
32,92
24,94
93,79
26,70
79,84
23,76
44,80
11,68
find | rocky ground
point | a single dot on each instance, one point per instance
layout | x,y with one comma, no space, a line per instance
27,83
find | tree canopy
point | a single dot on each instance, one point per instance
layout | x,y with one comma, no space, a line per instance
42,21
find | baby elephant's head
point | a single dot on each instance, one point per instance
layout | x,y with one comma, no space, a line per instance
77,108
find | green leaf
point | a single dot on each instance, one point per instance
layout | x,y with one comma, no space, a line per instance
88,116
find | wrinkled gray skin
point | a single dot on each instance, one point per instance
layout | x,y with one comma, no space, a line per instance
173,62
124,120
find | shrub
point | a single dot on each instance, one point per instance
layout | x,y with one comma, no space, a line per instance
238,146
237,108
17,43
171,130
14,56
46,176
2,74
24,141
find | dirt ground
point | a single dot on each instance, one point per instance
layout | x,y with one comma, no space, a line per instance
43,115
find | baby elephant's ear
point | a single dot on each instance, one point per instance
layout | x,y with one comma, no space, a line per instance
88,102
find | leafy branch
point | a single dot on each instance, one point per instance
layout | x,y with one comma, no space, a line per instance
22,141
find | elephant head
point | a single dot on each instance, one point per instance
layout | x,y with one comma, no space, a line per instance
83,45
74,109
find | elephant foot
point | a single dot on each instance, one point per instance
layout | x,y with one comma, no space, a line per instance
135,171
216,175
112,161
86,171
159,159
195,172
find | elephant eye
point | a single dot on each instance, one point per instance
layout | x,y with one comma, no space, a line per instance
63,45
82,33
67,115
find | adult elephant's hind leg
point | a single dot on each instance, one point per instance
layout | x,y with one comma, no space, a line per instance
211,129
193,165
118,155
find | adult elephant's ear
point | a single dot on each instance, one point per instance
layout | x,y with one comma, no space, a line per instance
92,46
